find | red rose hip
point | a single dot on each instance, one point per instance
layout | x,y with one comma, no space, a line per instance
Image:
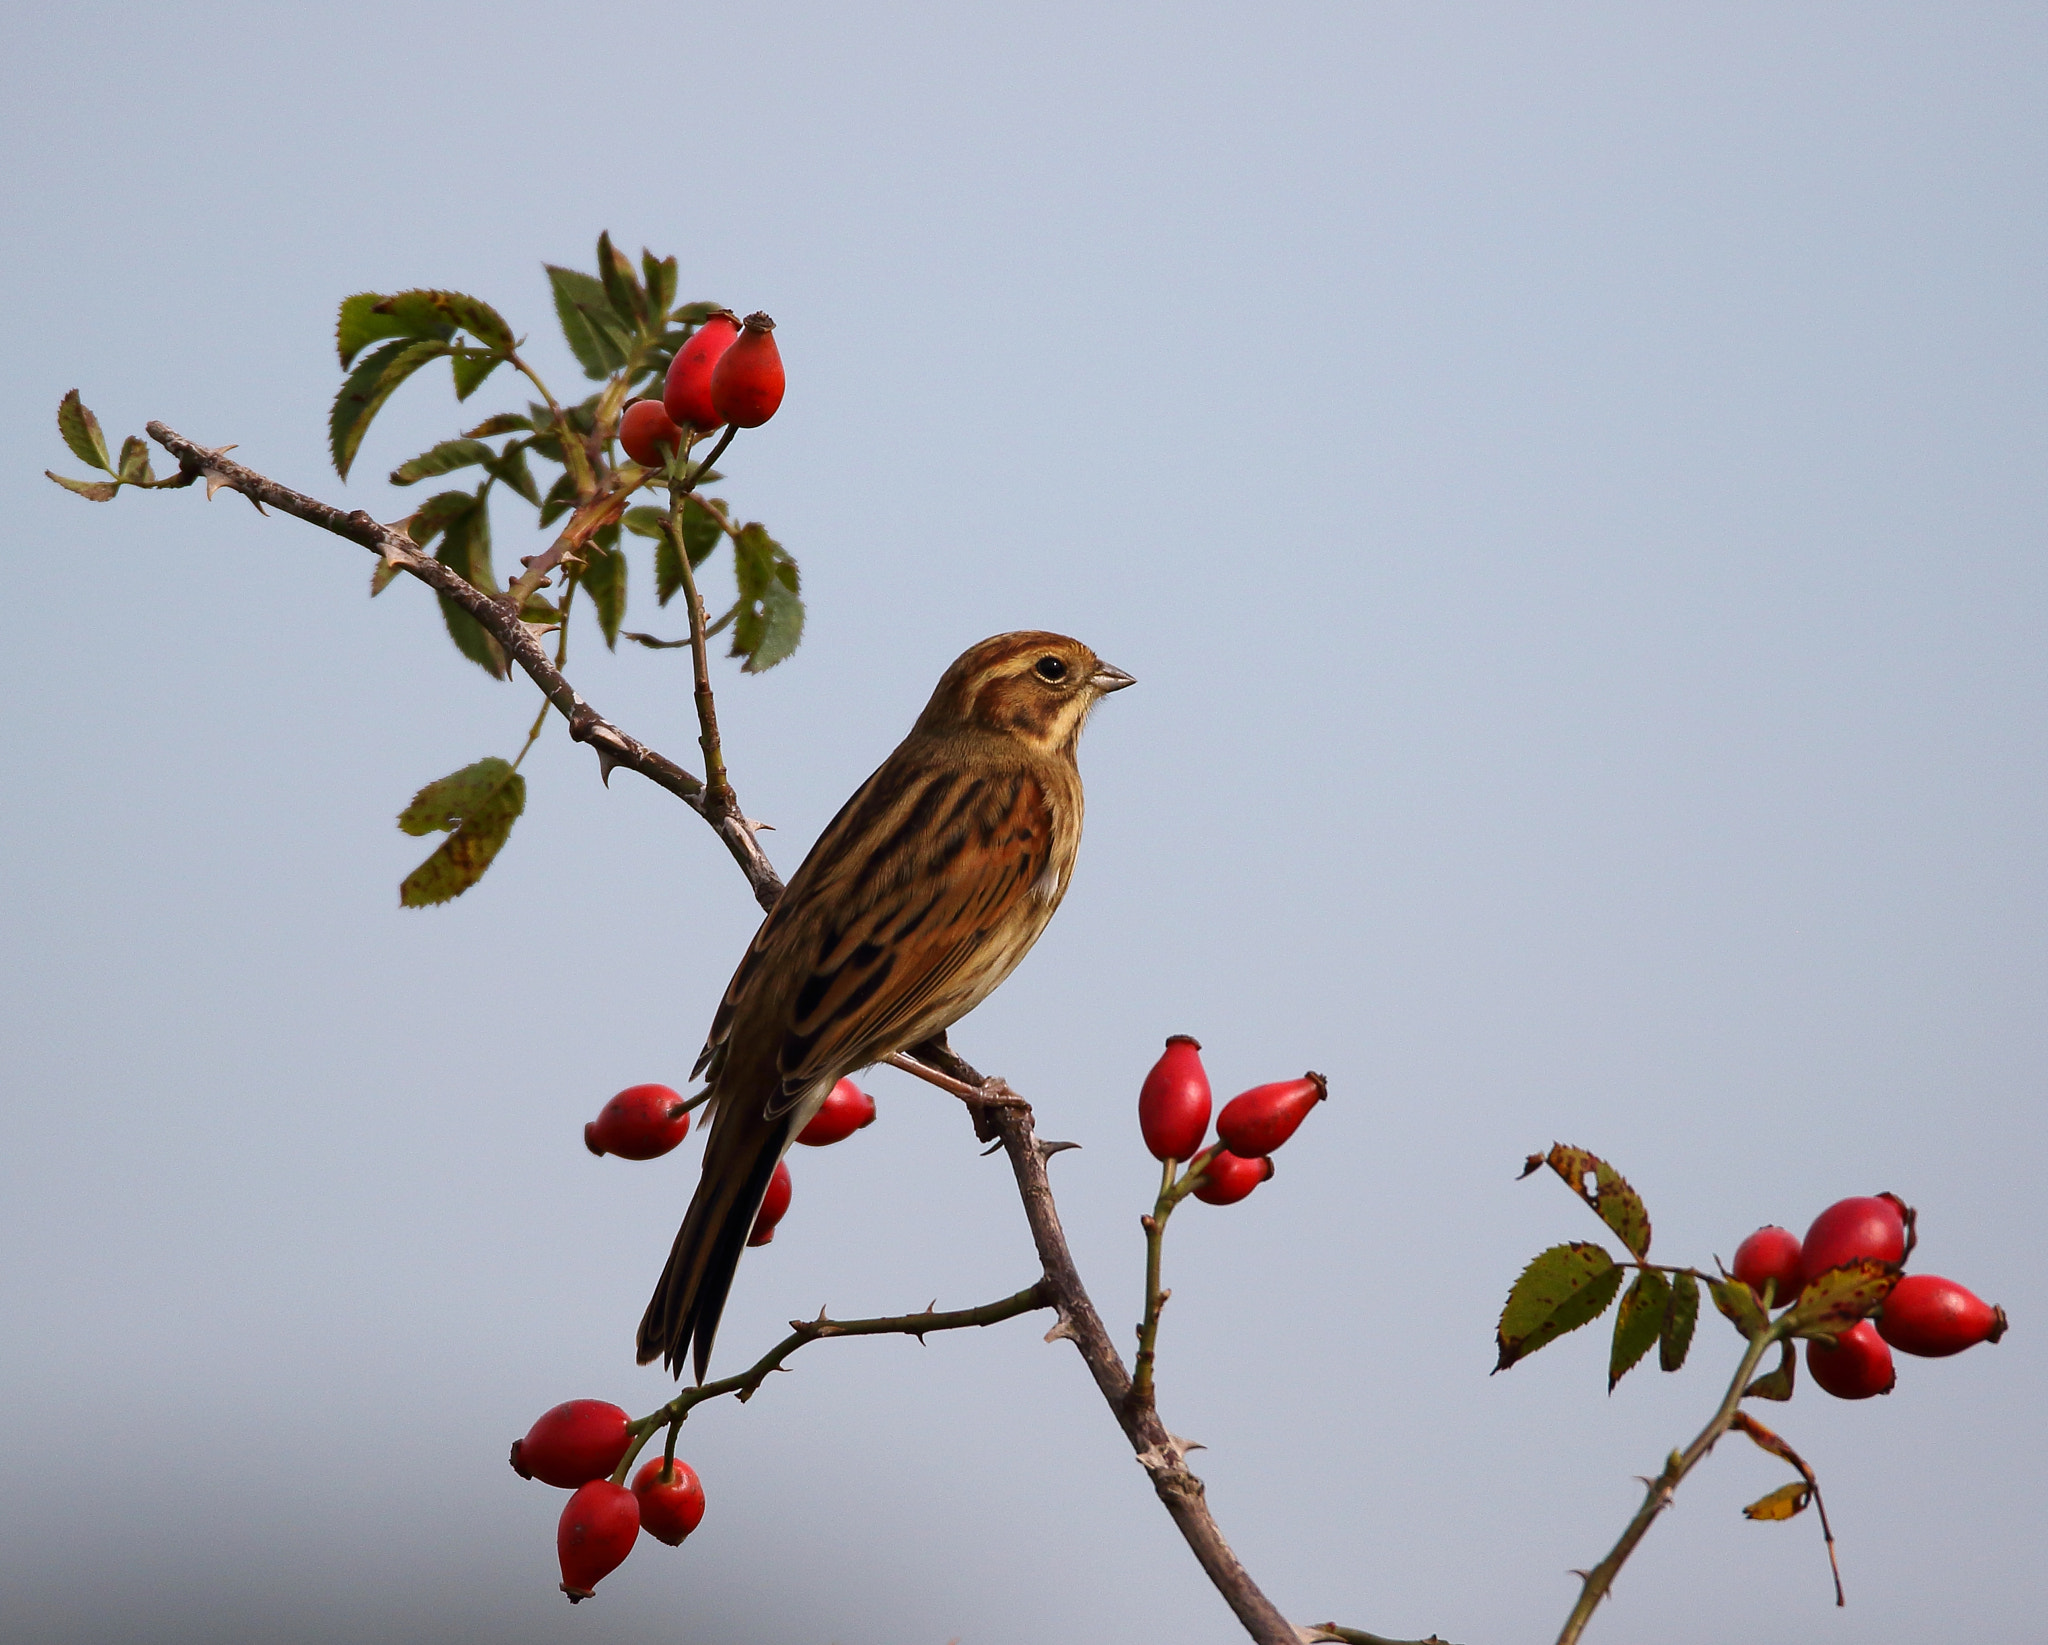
645,430
773,1208
582,1440
1867,1226
1934,1317
1259,1121
1770,1254
670,1509
597,1532
641,1122
686,391
1173,1103
746,384
847,1108
1228,1178
1855,1365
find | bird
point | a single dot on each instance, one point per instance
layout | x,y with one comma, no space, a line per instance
919,898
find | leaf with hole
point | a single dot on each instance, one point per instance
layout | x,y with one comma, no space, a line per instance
476,807
1561,1289
1638,1323
1604,1189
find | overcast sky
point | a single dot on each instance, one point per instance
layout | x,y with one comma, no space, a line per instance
1569,483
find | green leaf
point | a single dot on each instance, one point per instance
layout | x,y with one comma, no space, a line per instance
588,325
654,642
1836,1300
503,422
1738,1302
384,576
770,624
1782,1503
363,393
695,314
1604,1189
644,521
1777,1384
427,316
476,806
661,281
466,549
604,575
81,431
444,458
93,491
1637,1323
702,532
1565,1287
431,518
621,288
471,368
560,499
135,460
1680,1317
510,467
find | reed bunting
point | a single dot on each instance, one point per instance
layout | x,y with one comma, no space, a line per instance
918,900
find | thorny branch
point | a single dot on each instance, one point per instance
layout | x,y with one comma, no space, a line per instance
998,1115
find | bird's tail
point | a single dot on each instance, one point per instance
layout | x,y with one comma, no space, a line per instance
683,1313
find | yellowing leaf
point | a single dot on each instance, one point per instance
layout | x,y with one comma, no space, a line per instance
1782,1503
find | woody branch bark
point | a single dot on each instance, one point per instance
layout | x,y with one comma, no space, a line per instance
1162,1455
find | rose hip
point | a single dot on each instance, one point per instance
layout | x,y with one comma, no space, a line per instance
1866,1226
641,1122
597,1532
1228,1178
847,1108
773,1208
1855,1366
1259,1121
579,1441
1934,1317
1173,1103
670,1509
686,391
1771,1253
645,430
746,384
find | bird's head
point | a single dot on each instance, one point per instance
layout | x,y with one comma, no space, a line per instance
1031,685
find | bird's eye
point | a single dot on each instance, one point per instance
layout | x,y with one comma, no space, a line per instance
1051,670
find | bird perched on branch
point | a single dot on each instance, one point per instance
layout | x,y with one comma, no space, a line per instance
918,900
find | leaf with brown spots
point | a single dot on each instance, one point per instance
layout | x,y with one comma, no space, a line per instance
1562,1288
1604,1189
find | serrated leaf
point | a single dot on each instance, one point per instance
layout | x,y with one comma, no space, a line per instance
510,467
1681,1314
770,623
1562,1288
81,431
477,807
589,327
621,286
560,499
502,422
1782,1503
431,518
1638,1322
93,491
444,458
660,277
1739,1304
1832,1302
781,630
384,576
604,575
1605,1190
363,393
371,316
466,550
471,368
1780,1383
135,461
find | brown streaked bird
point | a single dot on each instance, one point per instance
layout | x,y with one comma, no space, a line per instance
919,898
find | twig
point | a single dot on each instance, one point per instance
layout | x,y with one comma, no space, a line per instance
718,787
614,747
1658,1493
745,1384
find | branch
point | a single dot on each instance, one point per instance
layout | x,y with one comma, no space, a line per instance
745,1384
614,747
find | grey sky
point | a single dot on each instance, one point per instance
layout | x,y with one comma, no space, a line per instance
1569,484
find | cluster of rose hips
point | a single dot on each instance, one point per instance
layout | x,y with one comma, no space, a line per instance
1173,1115
581,1445
646,1121
730,371
1922,1313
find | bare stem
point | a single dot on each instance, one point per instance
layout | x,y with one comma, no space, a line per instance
718,788
1155,1298
1657,1495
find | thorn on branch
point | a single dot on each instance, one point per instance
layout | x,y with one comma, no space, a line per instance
1046,1150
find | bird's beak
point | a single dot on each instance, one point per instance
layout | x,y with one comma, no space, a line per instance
1108,677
